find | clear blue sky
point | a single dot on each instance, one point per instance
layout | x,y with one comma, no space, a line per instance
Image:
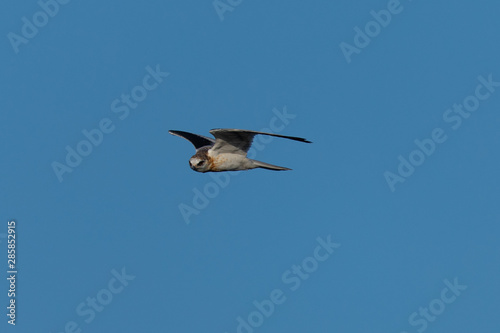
389,221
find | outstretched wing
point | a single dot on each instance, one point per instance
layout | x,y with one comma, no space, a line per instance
198,141
228,140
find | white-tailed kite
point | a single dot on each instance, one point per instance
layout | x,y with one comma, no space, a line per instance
228,152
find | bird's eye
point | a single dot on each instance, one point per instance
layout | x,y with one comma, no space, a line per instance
200,163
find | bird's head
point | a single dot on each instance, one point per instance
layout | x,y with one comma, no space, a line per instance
199,163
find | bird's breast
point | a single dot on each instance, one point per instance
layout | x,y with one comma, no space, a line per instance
229,162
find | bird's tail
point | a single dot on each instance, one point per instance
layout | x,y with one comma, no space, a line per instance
259,164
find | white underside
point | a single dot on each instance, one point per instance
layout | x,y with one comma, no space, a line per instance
232,162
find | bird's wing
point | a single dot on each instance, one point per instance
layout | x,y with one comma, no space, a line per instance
228,140
198,141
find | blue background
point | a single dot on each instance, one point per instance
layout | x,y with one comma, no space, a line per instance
120,207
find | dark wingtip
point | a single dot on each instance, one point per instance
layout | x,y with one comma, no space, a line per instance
296,138
176,132
303,140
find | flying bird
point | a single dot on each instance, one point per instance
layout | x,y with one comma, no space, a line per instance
228,152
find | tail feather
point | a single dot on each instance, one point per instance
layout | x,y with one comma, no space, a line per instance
259,164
